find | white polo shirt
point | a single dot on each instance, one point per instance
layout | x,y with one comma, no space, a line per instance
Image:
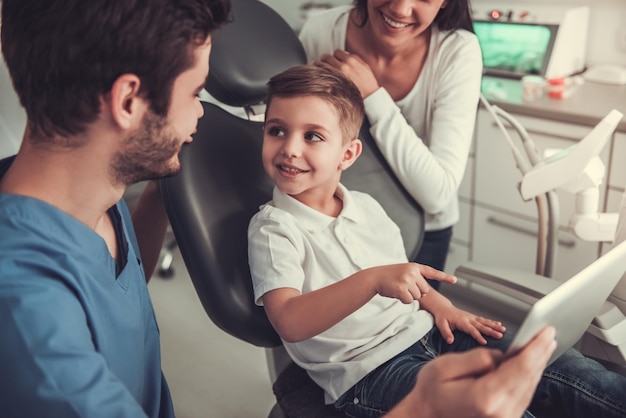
292,245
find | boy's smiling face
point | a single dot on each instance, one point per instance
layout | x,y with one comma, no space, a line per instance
304,150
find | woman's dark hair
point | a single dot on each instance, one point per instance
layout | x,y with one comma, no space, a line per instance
456,15
64,55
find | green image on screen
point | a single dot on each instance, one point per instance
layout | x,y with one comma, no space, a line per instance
514,48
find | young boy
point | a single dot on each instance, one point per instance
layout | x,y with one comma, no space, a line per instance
331,270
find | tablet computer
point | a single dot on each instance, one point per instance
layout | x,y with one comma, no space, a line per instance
571,306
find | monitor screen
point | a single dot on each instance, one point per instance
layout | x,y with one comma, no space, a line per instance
515,49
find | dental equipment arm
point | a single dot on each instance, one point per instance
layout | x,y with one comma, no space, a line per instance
567,168
578,169
547,203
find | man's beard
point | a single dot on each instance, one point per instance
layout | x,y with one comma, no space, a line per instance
148,153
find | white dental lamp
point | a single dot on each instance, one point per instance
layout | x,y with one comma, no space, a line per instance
578,170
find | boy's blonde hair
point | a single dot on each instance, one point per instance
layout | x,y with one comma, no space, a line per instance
326,83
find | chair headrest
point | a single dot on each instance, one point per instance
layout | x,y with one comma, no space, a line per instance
247,52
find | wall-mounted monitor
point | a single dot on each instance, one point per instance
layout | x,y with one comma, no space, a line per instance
515,49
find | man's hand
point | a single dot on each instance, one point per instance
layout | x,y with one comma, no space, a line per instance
478,383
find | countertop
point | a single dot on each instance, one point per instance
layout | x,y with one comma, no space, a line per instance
587,105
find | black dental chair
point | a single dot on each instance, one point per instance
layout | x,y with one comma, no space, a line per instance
222,184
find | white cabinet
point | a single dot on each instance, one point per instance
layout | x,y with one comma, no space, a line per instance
457,255
502,227
505,240
459,252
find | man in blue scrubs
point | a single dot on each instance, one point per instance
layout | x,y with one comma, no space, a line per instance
110,89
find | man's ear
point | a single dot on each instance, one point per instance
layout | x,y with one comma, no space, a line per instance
127,108
351,153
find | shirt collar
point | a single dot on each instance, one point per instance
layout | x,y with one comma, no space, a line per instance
312,219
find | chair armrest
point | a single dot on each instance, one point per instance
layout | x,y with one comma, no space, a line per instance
521,285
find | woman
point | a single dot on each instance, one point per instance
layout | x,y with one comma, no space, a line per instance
418,66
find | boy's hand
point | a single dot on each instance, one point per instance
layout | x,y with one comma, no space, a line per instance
405,281
449,318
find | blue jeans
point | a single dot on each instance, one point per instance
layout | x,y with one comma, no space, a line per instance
572,386
434,251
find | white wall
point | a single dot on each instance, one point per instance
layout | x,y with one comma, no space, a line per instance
12,116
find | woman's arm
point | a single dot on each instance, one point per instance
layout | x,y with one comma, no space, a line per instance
431,168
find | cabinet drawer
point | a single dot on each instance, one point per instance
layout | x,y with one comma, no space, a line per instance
510,241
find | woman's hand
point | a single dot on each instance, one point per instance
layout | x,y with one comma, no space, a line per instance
354,68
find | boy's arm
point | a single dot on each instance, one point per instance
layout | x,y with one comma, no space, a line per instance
276,254
297,317
449,318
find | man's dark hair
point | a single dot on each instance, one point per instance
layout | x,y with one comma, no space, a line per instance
64,55
456,15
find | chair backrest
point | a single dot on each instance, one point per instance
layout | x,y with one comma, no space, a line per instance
222,182
248,51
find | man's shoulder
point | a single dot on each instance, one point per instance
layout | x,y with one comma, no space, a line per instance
37,236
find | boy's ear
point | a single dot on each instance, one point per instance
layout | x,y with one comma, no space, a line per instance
126,107
351,153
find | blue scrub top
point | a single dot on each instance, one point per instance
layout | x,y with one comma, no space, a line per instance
78,336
